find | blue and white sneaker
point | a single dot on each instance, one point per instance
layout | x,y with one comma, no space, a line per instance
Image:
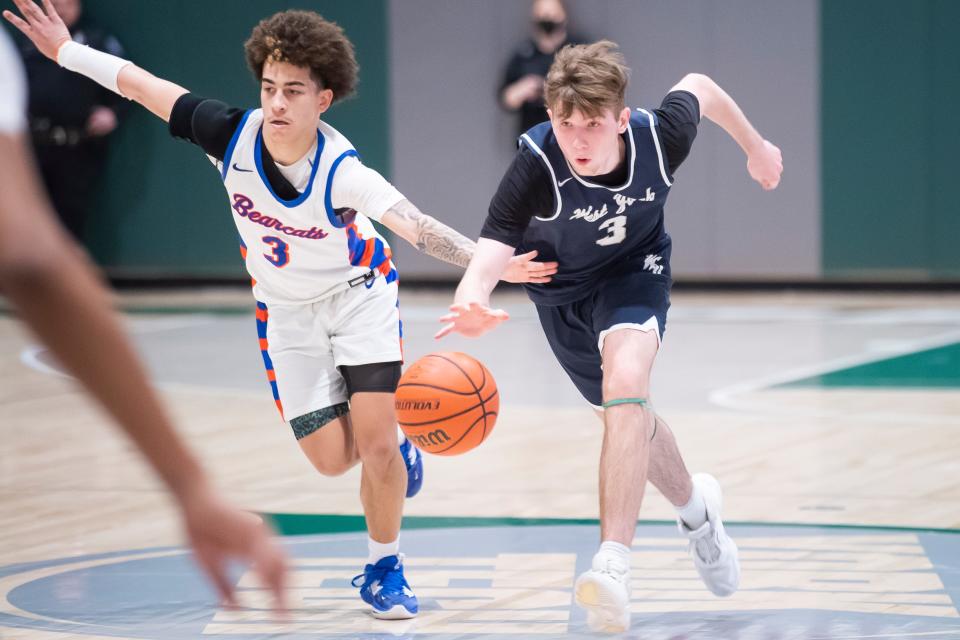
386,590
413,460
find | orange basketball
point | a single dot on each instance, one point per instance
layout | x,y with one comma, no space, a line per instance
447,403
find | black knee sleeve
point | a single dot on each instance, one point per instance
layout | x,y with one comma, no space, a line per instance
379,377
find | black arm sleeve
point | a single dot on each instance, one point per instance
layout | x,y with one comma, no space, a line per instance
678,118
525,191
209,124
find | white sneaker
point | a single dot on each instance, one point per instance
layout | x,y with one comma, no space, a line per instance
604,591
714,553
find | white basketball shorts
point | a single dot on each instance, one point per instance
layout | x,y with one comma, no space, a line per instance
302,345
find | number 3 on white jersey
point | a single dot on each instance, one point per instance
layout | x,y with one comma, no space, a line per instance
281,251
616,229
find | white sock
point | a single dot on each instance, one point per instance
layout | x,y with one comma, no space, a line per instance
401,436
380,550
619,552
694,513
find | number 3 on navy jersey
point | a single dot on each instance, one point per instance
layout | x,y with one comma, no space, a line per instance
281,251
616,229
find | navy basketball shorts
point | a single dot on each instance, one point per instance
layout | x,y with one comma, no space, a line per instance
576,330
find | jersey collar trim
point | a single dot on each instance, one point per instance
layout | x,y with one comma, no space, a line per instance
633,162
553,176
258,160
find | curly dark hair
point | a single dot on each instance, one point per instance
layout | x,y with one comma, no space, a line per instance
305,39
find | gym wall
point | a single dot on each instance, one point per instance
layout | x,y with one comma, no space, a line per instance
859,95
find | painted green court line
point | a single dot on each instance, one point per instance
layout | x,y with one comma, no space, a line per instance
937,368
293,524
296,524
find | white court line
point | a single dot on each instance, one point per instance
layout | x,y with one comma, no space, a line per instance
139,325
231,392
31,354
732,314
728,397
30,357
918,634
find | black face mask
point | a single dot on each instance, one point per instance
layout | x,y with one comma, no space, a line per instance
548,27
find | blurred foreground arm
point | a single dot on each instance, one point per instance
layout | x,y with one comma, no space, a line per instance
56,292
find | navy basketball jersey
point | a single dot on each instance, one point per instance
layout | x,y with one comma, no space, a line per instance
594,229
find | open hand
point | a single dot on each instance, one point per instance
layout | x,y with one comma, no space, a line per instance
472,320
44,27
527,89
219,532
765,165
522,268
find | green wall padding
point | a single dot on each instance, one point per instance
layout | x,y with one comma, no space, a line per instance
163,210
891,207
944,139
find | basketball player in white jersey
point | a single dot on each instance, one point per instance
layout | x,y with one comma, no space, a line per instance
326,289
57,294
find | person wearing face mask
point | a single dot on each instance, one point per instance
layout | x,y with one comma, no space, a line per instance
522,89
70,136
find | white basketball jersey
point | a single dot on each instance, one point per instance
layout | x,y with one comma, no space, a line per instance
300,250
13,89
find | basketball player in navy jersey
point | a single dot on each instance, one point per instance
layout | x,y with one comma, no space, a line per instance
59,296
588,189
326,288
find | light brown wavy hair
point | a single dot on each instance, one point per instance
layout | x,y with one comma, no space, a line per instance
590,78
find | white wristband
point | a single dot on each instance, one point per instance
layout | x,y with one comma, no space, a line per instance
100,67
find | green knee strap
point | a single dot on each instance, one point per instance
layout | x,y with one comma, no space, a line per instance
612,403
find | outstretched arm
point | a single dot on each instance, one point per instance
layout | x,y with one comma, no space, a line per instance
470,313
436,239
428,234
764,160
48,33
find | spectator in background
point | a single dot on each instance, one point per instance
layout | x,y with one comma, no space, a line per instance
522,88
70,135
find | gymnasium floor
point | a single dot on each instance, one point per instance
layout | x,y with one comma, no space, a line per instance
830,420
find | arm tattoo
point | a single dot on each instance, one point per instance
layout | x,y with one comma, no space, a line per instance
435,238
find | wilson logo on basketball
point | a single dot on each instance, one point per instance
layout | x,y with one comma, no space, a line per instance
447,403
432,439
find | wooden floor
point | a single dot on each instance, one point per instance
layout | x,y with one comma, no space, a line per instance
784,453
